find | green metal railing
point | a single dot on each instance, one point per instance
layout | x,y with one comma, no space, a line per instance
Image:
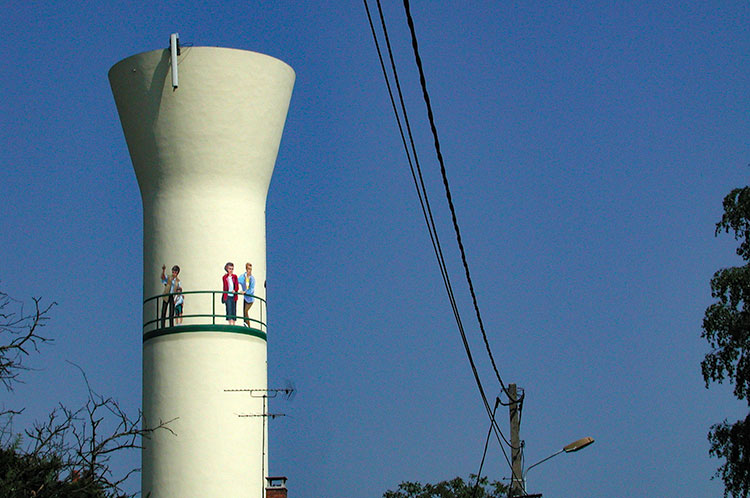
256,315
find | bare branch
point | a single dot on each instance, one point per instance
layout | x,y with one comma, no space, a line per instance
86,439
76,445
19,334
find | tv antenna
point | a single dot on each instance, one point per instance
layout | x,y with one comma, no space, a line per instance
288,393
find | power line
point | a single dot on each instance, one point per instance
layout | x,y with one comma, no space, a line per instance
424,203
419,185
426,209
454,218
448,195
484,453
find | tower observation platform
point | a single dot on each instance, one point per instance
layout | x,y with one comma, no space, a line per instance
158,325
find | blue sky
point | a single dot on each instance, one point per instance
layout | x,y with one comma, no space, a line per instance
588,146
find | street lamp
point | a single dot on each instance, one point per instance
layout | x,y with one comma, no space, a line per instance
570,448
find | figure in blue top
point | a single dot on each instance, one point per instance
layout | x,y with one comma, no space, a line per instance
179,301
247,281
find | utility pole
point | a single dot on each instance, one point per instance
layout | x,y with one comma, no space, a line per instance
516,481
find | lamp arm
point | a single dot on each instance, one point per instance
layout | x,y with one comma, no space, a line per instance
540,461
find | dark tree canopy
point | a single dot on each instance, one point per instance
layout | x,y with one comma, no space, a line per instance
455,488
24,475
726,327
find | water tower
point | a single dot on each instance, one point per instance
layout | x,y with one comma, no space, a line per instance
203,127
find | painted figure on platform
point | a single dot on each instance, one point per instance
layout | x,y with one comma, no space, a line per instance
170,287
231,287
247,281
179,301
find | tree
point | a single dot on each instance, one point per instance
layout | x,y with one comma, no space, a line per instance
455,488
69,453
19,334
726,327
25,475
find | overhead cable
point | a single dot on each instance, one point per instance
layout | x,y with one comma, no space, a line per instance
433,127
484,453
424,203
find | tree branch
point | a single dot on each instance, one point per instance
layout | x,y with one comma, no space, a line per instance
19,333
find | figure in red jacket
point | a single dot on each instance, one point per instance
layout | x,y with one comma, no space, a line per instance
229,297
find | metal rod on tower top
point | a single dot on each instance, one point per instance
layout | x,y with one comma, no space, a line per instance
174,50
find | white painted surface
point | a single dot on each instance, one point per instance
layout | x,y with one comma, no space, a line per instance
203,154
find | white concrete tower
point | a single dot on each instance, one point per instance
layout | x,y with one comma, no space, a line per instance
203,153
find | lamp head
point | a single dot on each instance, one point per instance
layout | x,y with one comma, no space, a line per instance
577,445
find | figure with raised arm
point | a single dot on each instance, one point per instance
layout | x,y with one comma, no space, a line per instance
170,287
231,288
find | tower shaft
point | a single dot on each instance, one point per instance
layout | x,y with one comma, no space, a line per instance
203,154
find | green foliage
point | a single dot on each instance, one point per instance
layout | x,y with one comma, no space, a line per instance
726,327
24,475
732,442
736,218
455,488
